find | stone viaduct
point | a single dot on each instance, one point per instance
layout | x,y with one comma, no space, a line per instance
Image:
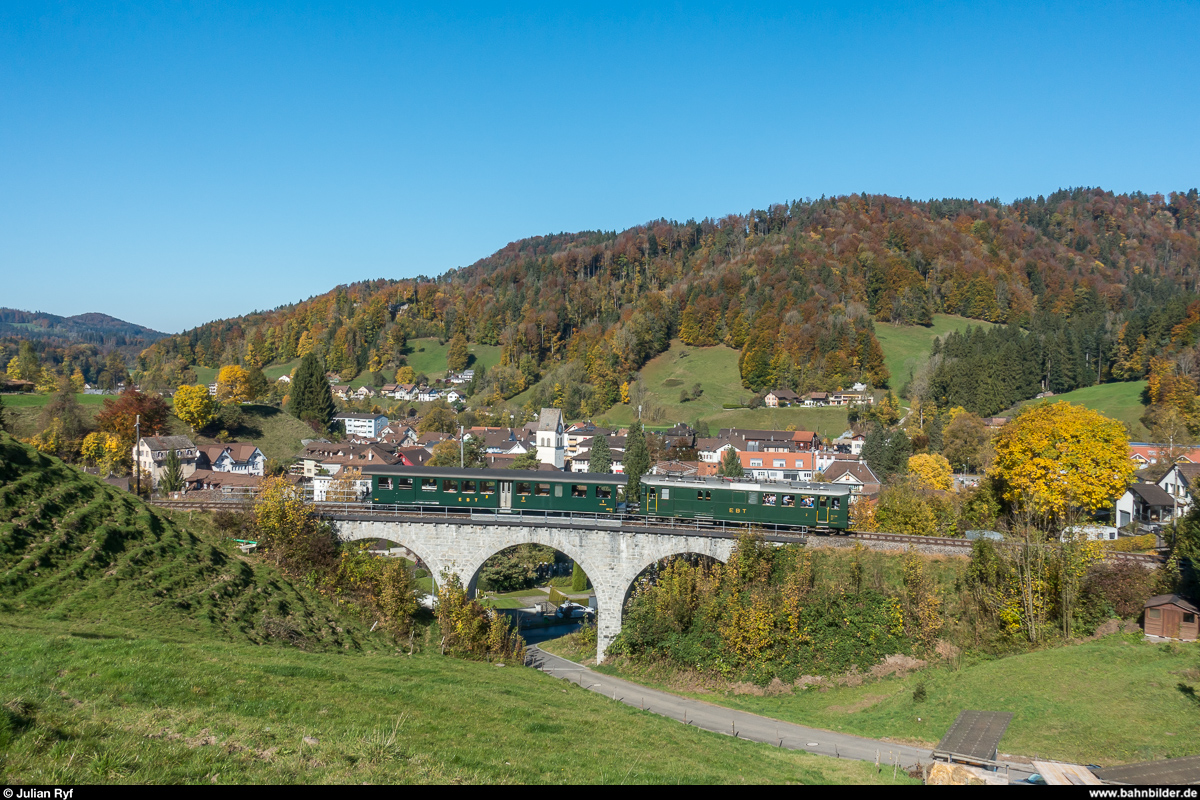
612,557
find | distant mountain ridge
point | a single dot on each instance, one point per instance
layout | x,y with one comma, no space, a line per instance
92,327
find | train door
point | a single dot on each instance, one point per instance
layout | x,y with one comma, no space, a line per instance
823,510
506,494
651,500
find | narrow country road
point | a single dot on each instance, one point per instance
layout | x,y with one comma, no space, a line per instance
730,722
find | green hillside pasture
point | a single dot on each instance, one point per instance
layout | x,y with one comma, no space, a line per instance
38,401
716,370
277,371
1114,700
1120,401
274,431
429,357
74,548
205,375
96,704
906,347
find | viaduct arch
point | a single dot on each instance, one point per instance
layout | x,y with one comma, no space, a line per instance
613,559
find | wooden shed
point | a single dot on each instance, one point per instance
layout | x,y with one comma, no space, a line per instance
1172,617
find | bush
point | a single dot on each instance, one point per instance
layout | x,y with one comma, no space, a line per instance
557,597
1133,544
1123,586
579,579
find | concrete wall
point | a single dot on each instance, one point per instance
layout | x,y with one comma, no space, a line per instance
611,559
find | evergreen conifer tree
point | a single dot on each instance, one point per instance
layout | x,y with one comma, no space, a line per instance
257,382
579,579
637,462
172,478
311,397
600,459
731,465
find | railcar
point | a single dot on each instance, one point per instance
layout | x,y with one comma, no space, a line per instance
792,503
818,506
498,489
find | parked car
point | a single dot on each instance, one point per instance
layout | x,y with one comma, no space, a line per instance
571,610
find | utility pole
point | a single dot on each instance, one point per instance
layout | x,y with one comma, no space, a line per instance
462,453
137,437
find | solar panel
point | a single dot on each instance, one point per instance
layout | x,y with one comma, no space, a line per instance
1173,771
976,734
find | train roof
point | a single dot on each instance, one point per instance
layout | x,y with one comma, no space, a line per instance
743,484
494,474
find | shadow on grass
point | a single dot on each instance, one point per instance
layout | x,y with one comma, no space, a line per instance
1189,692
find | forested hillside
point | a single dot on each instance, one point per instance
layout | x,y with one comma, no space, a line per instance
798,288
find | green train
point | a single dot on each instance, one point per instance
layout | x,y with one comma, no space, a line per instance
776,503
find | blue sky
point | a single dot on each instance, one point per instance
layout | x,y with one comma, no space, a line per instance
179,162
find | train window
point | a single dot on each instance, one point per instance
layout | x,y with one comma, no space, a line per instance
449,485
620,494
385,483
542,490
754,498
578,490
524,488
489,487
768,499
404,483
739,497
837,503
789,501
604,492
806,502
708,495
699,494
666,494
824,501
558,490
428,484
470,487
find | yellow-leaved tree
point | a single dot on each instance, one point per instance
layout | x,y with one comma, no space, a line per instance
931,470
1056,458
195,406
233,384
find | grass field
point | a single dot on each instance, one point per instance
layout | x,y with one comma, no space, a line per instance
274,431
96,704
906,347
715,369
206,375
277,371
38,401
1114,700
429,357
1120,401
139,647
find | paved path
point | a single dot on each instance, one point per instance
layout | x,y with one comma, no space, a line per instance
740,723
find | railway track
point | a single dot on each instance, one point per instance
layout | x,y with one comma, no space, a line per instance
723,530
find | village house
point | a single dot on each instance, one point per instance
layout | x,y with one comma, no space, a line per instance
781,397
863,482
340,391
1180,483
150,455
361,424
207,480
241,458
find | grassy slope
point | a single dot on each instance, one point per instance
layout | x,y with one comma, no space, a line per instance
906,347
132,651
1113,700
275,432
716,370
429,357
109,706
1121,401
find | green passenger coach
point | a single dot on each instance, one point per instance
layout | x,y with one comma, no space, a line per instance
497,489
795,503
